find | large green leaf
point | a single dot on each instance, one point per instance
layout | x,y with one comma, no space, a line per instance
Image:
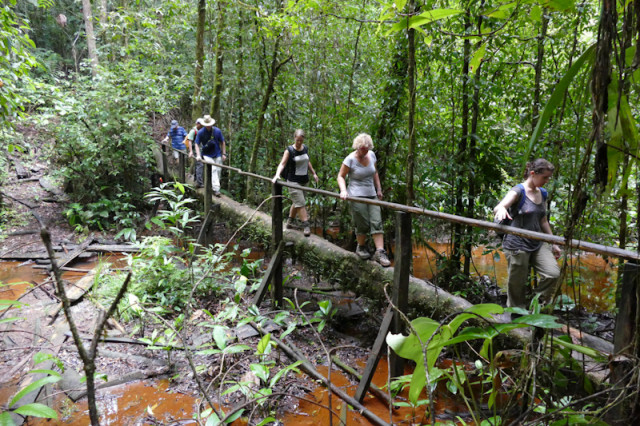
590,352
33,386
477,58
558,95
37,410
539,320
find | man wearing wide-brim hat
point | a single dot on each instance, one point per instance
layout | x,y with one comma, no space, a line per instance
210,147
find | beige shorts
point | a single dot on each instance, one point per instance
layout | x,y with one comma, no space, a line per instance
297,197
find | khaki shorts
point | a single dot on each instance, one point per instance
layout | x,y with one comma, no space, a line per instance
367,218
297,197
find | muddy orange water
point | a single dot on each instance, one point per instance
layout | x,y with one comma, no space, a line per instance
135,403
317,412
17,277
591,280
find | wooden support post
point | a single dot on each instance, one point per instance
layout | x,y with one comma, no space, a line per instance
182,174
276,226
165,163
372,362
625,344
276,262
208,191
204,230
401,273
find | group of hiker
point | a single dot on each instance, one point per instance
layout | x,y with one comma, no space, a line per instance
209,144
524,205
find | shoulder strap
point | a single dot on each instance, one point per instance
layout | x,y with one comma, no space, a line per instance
545,194
522,195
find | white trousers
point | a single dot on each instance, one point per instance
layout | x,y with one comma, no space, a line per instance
215,172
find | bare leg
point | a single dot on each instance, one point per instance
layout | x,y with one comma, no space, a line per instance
378,240
361,239
302,211
292,212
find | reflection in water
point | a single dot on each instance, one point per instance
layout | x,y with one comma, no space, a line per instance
591,280
17,277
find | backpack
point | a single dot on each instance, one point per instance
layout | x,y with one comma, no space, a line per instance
290,167
513,212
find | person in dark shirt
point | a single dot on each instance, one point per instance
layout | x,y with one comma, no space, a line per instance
177,134
297,164
210,147
521,253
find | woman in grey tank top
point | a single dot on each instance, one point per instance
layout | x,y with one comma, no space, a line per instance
522,253
364,182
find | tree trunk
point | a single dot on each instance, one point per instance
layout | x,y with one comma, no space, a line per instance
272,74
91,39
103,12
461,157
196,105
393,93
599,86
214,108
353,71
411,71
535,110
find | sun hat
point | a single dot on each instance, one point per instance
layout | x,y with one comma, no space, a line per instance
174,124
199,121
208,121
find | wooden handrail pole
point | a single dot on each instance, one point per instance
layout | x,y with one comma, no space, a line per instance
182,174
208,191
276,226
165,165
401,274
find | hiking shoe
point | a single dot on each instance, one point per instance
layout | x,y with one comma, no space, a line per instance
381,258
216,193
306,229
362,252
291,223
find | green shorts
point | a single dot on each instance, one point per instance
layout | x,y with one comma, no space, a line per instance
297,197
367,218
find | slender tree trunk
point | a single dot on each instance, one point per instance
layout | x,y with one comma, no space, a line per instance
353,72
394,92
214,109
599,87
601,76
535,110
196,105
91,39
103,12
462,155
411,71
272,74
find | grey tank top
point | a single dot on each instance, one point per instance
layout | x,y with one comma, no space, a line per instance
528,217
361,177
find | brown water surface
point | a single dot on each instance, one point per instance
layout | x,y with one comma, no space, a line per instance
137,403
17,277
591,279
310,414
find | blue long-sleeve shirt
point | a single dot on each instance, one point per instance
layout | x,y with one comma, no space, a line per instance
210,142
177,137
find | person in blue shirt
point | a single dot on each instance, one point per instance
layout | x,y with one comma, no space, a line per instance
210,147
177,134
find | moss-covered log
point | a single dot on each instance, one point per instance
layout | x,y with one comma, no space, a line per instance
365,278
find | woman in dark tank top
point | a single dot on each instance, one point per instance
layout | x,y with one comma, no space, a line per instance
522,253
